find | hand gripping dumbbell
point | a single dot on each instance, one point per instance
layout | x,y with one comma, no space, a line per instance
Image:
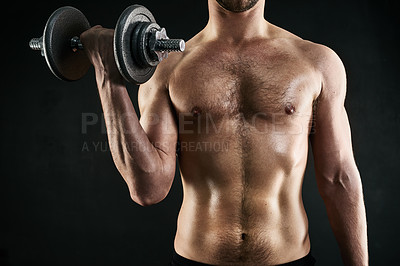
140,44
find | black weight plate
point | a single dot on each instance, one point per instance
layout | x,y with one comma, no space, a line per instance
140,42
131,70
139,46
65,23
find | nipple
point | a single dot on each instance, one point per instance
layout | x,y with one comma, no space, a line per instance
290,109
196,111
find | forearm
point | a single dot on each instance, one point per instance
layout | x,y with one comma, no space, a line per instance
137,159
147,170
346,212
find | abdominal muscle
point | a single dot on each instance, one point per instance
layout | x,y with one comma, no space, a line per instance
242,206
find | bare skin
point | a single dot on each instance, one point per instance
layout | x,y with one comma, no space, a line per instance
242,101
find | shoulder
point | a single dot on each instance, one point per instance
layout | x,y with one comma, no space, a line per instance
156,87
329,67
165,70
325,61
320,56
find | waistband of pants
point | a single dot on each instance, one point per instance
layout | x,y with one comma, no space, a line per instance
178,260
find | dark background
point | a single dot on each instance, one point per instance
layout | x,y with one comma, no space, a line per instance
64,203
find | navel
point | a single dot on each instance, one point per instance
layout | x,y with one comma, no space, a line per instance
290,109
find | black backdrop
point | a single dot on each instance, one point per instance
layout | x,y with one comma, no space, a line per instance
62,199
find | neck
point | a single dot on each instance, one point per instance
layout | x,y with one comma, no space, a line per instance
236,27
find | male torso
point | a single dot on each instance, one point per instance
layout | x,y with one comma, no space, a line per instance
244,112
240,101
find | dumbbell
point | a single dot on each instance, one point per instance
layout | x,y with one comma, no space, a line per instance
140,44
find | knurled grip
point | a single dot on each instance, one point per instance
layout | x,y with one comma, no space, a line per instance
169,45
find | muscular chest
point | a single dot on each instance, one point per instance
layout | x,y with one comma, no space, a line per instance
259,81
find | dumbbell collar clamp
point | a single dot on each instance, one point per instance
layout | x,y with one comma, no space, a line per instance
155,36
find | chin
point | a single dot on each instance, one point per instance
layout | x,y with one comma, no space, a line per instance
237,6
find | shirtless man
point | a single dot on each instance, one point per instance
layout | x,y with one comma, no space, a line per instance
242,102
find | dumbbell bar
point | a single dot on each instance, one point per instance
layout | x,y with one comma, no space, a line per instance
140,44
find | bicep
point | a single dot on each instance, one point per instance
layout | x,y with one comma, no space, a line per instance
331,139
157,117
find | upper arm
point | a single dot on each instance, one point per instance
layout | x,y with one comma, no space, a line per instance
157,115
331,139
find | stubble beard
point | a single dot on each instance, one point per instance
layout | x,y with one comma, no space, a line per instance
237,6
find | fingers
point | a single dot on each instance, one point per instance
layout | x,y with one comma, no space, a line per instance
96,33
98,45
90,39
90,32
